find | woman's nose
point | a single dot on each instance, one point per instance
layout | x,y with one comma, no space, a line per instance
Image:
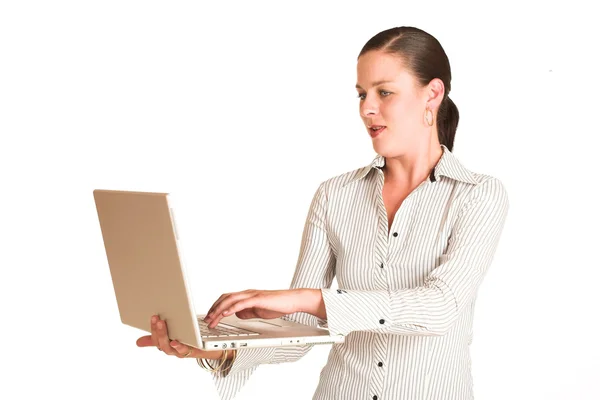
368,108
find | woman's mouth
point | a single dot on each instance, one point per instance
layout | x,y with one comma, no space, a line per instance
376,130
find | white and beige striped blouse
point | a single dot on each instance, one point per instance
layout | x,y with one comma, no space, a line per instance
406,297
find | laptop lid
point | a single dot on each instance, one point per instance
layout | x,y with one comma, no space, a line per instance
140,240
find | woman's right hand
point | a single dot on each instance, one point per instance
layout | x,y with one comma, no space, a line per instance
160,339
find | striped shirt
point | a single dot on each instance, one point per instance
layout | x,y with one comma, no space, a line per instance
406,295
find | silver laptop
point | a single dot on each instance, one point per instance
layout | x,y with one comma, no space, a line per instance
140,239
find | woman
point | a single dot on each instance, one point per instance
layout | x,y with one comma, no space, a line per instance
409,237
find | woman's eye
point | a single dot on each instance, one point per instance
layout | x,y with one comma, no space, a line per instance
384,93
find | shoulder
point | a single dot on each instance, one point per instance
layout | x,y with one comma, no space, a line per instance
486,183
336,183
487,191
473,184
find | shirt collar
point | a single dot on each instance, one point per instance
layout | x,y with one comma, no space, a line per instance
448,166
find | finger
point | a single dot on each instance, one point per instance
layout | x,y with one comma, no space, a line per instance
231,306
216,303
163,338
182,349
248,304
225,297
215,315
153,329
144,341
233,299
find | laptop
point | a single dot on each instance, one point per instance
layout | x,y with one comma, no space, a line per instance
141,242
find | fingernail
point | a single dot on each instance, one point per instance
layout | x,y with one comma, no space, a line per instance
174,344
154,319
225,312
159,325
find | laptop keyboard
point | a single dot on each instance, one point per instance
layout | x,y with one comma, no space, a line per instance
222,330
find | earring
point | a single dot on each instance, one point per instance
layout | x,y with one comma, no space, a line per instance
427,112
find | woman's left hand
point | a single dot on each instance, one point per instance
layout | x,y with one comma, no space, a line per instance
266,304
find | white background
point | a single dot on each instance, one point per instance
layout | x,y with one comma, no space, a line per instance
227,105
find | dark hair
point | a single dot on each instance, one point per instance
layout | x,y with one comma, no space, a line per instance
424,57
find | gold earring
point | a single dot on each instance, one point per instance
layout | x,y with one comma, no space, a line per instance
427,112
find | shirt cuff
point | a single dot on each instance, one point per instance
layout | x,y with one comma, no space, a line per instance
357,310
245,358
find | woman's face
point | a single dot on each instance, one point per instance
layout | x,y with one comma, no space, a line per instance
391,106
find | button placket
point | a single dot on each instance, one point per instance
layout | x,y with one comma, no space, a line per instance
405,211
380,282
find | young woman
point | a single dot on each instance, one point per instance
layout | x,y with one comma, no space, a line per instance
409,237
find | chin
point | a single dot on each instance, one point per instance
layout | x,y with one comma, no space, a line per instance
385,150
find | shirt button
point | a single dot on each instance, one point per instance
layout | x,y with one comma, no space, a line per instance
380,364
382,321
395,234
381,265
375,397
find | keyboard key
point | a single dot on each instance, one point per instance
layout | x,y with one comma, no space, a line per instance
222,330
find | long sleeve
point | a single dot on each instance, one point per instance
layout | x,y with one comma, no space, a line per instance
315,268
431,309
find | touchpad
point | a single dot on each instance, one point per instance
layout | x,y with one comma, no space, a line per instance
261,325
266,324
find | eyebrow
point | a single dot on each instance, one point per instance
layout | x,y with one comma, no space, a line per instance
377,83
